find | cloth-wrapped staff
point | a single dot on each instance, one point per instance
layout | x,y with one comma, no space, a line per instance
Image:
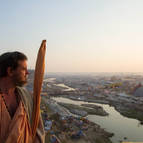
38,79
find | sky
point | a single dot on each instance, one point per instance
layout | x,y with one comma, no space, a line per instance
82,35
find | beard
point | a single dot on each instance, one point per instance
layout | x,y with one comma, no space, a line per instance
18,81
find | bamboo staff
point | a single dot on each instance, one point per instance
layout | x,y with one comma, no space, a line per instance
38,78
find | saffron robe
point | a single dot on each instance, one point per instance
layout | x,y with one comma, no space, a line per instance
18,129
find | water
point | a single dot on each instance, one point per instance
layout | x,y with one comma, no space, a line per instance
116,123
65,86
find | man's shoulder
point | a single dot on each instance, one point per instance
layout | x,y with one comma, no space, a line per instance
21,88
27,100
23,91
25,95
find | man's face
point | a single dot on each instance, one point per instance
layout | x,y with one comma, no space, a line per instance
20,74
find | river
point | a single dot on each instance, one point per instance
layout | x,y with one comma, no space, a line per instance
124,129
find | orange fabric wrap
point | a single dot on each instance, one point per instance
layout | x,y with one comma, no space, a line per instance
17,129
38,79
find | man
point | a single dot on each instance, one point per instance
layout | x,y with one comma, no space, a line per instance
16,104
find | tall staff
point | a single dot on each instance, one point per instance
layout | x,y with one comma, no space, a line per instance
38,79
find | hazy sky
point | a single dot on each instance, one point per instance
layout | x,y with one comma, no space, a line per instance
82,35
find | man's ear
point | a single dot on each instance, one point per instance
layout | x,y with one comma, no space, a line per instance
9,71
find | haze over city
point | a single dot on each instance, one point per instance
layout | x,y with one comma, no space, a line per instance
82,36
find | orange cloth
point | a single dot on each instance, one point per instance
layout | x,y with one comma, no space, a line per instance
17,129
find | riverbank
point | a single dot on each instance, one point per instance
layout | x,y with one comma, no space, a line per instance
124,106
84,109
68,128
124,129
